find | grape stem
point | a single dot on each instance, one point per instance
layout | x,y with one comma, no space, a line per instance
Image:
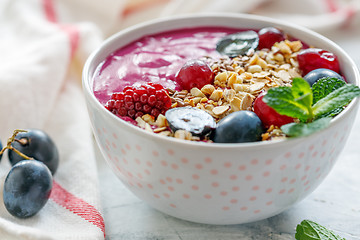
11,140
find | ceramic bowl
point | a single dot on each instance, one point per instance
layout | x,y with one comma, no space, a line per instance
217,183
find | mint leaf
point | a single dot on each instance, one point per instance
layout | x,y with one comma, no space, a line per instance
332,113
302,91
336,99
309,230
292,101
282,100
304,129
324,86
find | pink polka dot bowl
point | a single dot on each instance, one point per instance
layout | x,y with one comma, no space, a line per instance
217,183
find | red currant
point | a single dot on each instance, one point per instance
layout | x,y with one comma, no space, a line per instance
268,115
194,73
269,36
314,58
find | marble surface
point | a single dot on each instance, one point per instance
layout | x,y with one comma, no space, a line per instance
334,204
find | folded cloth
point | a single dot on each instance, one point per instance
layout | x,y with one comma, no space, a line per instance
43,46
40,69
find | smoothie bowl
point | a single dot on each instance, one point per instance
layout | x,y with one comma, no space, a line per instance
211,150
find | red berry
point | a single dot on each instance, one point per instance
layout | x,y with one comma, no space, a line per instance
136,97
131,113
268,115
314,58
133,102
143,98
128,97
140,91
269,36
161,94
194,73
151,90
157,86
122,111
147,108
118,96
152,100
129,105
138,114
126,88
155,112
138,106
119,103
110,104
159,104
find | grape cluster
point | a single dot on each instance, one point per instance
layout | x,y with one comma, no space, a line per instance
34,158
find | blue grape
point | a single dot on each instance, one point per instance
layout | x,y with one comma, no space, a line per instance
313,76
27,188
38,145
239,127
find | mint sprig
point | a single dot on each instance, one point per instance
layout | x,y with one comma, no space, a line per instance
329,97
309,230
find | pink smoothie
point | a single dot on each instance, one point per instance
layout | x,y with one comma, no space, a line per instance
155,58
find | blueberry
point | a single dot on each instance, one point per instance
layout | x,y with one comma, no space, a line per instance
239,127
36,144
193,120
319,73
27,188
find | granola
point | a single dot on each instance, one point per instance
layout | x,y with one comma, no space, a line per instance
237,83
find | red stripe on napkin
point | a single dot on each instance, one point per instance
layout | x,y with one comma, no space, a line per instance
77,206
48,6
331,5
73,34
70,30
349,16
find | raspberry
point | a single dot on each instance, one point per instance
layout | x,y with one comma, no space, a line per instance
135,101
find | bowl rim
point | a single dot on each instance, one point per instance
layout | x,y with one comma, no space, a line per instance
87,79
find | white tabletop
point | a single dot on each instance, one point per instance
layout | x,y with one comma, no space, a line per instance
334,204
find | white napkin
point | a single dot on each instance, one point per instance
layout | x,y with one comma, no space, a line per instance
43,46
40,69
